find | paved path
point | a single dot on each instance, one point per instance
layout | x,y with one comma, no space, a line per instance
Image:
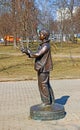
17,97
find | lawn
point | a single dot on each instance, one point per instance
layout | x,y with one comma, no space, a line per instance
17,66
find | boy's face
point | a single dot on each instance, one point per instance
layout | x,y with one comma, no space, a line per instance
42,36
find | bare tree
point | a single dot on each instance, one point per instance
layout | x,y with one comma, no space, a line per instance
13,3
5,19
22,20
71,8
27,18
23,17
77,21
45,15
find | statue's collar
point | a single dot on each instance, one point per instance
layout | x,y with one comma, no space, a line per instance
44,42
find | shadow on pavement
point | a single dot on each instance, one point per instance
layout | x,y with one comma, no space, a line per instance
62,100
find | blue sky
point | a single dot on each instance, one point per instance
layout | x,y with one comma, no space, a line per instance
47,5
50,6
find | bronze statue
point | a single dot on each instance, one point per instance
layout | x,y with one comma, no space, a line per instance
43,66
48,109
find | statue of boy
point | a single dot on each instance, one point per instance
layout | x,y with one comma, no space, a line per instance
43,65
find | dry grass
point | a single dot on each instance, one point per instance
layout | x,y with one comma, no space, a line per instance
17,66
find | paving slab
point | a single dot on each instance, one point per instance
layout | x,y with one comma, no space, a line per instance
16,98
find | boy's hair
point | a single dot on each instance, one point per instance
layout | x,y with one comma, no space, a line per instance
45,32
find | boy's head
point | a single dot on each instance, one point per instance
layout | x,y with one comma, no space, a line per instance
44,34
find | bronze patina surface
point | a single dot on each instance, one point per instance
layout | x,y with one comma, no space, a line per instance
53,112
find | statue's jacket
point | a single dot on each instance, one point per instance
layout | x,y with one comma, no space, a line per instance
43,59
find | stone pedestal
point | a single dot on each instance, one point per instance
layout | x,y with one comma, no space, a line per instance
52,112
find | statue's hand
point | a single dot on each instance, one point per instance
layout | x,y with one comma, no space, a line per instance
28,52
25,50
